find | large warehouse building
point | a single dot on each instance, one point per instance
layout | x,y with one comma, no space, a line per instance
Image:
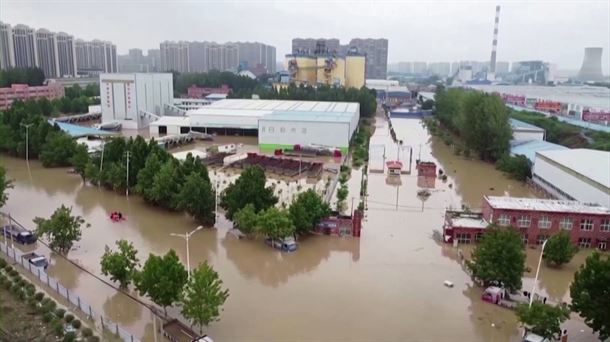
277,123
578,174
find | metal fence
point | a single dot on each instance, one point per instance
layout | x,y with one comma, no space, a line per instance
70,296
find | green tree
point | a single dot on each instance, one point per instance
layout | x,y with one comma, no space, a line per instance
499,258
307,210
246,219
518,166
559,249
544,320
428,104
197,198
120,265
203,296
4,185
58,150
162,279
80,159
165,185
275,223
590,292
248,188
62,229
146,176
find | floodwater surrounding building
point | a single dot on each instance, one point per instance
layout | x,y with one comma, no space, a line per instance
386,285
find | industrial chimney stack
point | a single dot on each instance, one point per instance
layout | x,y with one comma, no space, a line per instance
492,62
591,69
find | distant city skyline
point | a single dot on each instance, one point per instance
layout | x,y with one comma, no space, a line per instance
440,31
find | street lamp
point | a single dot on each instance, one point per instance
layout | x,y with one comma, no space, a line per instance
537,271
187,236
27,141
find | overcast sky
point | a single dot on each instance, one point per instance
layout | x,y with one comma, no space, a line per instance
555,31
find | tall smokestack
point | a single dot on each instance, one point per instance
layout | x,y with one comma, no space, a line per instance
494,46
591,69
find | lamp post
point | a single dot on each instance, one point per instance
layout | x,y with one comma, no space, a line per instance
187,236
27,141
216,201
537,272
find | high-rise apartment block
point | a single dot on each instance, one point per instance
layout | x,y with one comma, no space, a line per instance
57,54
206,56
441,69
420,68
375,50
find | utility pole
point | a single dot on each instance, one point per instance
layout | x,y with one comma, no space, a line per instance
27,141
127,184
101,165
216,201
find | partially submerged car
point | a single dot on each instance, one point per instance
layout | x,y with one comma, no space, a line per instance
287,244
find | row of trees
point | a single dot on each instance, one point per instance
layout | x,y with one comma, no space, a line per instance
479,119
29,76
166,282
500,259
5,184
214,79
251,206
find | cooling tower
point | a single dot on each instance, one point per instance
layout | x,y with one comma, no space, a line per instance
591,69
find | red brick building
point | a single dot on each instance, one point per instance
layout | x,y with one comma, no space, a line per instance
24,92
196,92
537,220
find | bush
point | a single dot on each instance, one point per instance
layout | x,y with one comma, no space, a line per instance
47,317
60,313
3,263
15,288
50,305
30,289
32,303
517,167
13,273
93,339
8,268
76,324
87,332
8,284
70,337
21,295
39,296
58,328
69,318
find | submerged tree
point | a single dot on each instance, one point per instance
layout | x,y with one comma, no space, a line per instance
62,229
203,296
120,265
4,185
275,223
307,210
249,188
197,198
559,249
543,319
246,219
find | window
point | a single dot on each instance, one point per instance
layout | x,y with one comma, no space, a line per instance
584,242
524,221
263,129
293,130
271,129
544,222
586,224
478,237
524,239
463,238
565,223
602,245
504,220
304,130
605,225
282,130
541,238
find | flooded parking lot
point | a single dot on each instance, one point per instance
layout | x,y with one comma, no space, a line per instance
385,286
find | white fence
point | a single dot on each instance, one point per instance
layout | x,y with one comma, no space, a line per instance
71,297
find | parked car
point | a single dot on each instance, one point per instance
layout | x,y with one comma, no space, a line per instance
531,337
18,234
287,244
36,260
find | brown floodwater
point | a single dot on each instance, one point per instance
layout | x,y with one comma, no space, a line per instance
385,286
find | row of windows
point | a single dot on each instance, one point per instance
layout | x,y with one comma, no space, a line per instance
293,130
464,238
545,222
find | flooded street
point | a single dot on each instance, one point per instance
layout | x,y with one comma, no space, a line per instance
385,286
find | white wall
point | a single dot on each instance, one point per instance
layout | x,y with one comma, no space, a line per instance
225,121
322,133
573,186
524,135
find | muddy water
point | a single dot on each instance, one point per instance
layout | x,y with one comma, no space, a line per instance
387,286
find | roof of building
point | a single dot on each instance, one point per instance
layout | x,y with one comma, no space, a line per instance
220,96
524,126
285,105
76,131
308,116
172,121
529,148
592,164
546,205
195,153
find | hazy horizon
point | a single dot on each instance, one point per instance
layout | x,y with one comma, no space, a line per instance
441,31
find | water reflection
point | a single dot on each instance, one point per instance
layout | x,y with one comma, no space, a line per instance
64,271
120,308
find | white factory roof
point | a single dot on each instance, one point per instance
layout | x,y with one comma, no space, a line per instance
172,121
285,105
592,164
546,205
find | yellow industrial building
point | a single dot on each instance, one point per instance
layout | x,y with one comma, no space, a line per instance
315,69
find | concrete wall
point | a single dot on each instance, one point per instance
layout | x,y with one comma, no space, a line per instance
562,182
525,135
289,133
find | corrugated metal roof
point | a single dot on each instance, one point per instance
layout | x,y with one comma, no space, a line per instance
172,121
524,125
76,131
548,205
592,164
530,147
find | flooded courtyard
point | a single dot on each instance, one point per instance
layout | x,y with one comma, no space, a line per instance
385,286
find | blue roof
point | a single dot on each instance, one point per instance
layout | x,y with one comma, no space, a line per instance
530,147
521,124
76,131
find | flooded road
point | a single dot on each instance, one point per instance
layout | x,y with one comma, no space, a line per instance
385,286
